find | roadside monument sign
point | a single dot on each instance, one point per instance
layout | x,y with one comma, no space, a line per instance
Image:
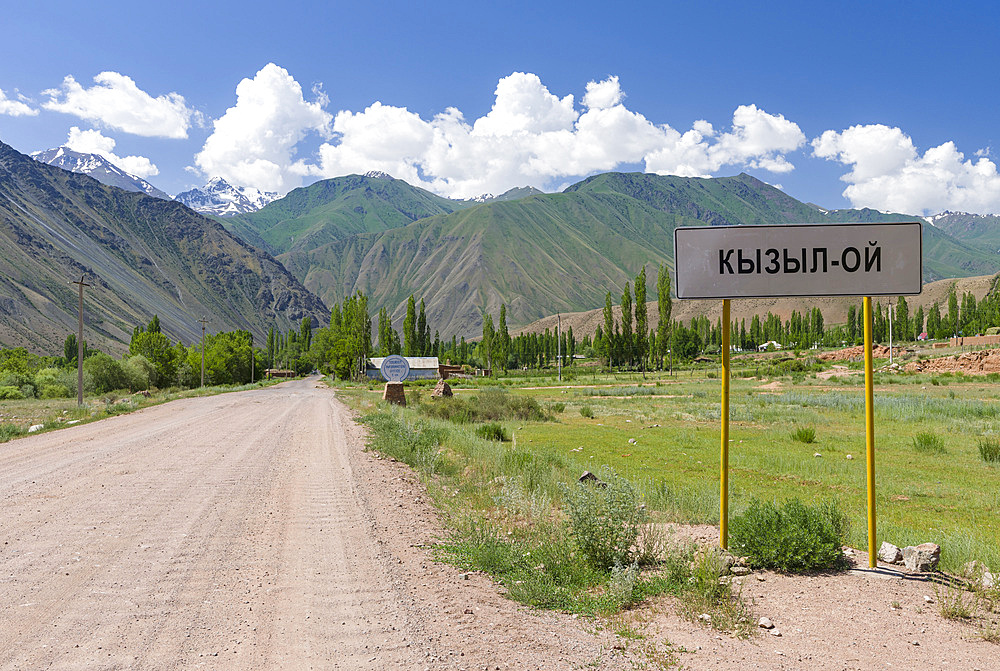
884,259
395,368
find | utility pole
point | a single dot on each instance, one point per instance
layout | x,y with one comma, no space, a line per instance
79,344
203,322
559,344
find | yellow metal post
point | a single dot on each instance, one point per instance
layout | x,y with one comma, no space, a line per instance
870,431
724,467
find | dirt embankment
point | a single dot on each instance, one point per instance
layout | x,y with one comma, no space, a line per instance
980,362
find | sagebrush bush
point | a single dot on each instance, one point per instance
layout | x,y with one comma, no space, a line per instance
989,449
804,434
928,442
794,537
492,431
606,519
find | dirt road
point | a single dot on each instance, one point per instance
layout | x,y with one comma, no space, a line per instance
242,531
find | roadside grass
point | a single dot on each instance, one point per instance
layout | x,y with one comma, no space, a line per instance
673,456
952,499
520,516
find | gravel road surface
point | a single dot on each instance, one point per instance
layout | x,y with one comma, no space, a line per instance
244,531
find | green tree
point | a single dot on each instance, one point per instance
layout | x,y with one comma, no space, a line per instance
664,307
422,338
487,344
641,319
503,349
627,341
410,328
607,348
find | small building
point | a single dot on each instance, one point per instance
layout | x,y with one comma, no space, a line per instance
421,368
271,373
770,344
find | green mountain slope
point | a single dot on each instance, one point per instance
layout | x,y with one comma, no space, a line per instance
143,256
982,230
334,209
562,252
947,253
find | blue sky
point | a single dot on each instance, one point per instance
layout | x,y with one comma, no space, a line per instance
892,106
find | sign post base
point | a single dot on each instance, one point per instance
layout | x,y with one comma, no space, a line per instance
394,393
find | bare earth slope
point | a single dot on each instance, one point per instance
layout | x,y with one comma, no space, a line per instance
243,531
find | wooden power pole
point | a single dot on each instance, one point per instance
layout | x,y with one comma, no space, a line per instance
203,322
79,343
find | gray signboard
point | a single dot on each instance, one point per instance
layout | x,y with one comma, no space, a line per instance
798,260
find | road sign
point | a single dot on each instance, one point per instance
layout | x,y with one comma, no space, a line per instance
798,260
395,368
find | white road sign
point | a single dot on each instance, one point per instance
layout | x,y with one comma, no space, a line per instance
798,260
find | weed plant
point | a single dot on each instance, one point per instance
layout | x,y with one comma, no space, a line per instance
9,431
492,431
791,538
587,411
989,449
955,603
929,443
605,518
804,434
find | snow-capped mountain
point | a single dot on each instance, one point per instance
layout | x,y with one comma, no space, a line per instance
222,199
99,168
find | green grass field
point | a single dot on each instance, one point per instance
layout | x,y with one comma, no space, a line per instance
663,434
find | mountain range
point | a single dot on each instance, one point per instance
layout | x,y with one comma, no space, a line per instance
537,253
217,198
141,255
99,168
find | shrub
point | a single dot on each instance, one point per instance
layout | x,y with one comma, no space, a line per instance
605,519
587,412
56,391
107,373
989,449
804,434
557,408
492,431
10,392
928,442
794,537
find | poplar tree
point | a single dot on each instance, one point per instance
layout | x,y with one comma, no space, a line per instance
410,328
609,328
628,345
664,306
641,319
503,349
422,333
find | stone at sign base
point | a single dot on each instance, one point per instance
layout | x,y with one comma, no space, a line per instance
923,557
394,393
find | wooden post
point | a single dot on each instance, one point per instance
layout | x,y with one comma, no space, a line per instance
79,344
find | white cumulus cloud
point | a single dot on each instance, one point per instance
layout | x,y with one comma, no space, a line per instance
94,142
254,142
117,102
15,107
532,136
889,173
